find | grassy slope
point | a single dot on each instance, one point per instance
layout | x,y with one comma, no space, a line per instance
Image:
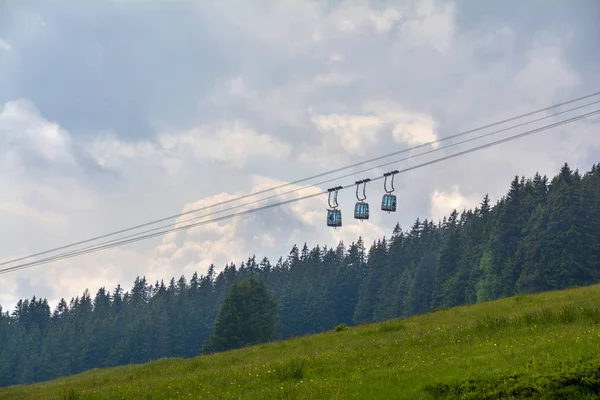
536,345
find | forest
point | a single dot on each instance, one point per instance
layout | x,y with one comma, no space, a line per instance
544,234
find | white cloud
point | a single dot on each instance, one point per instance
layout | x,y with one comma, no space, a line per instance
293,27
353,16
443,202
36,216
233,143
415,130
384,21
432,25
38,199
368,230
334,78
336,57
68,278
545,73
355,132
108,151
495,40
236,86
22,128
411,127
324,156
5,46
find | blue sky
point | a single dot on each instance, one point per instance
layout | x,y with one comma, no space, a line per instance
114,113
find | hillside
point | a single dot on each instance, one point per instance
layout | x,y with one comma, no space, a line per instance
543,235
522,346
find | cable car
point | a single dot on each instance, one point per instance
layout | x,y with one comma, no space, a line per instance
334,216
361,209
388,202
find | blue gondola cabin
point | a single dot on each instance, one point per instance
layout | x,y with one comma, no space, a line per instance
334,218
361,210
388,203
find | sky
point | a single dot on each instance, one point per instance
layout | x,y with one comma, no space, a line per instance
114,113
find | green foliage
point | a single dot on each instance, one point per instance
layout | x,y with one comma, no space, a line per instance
393,326
289,370
248,316
564,315
341,327
581,382
71,394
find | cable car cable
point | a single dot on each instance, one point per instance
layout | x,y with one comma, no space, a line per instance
76,252
294,190
325,181
514,137
303,179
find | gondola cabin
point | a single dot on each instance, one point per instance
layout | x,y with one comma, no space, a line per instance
388,202
361,210
334,218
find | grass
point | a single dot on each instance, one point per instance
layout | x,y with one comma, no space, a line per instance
544,346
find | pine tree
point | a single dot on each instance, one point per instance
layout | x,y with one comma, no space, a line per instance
367,297
560,256
420,291
248,316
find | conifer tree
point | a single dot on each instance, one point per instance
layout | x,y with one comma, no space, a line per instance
248,316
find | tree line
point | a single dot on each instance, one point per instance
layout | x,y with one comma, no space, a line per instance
542,235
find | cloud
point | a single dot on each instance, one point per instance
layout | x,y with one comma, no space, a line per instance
444,202
111,152
333,78
357,133
415,130
38,217
5,46
24,130
353,131
69,278
411,127
351,17
433,25
546,72
234,143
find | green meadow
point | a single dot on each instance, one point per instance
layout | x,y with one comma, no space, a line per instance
543,346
